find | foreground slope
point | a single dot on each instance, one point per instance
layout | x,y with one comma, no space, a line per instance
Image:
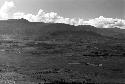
32,53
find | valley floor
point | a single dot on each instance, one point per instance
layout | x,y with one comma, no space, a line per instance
35,62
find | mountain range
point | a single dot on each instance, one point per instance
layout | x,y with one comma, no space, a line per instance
61,52
22,28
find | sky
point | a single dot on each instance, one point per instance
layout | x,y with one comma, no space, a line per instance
99,13
73,8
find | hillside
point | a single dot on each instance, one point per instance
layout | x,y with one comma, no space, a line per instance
34,53
24,28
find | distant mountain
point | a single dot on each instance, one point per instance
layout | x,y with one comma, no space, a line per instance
22,28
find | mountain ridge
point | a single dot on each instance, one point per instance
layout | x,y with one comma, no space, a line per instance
22,28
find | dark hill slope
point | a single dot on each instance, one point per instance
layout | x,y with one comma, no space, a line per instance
110,32
36,29
60,52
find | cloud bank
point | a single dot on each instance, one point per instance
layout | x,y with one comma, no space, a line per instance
103,22
53,17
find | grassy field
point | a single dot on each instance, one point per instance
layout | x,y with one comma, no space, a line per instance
35,62
36,53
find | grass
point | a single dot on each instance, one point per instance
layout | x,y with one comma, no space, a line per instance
63,63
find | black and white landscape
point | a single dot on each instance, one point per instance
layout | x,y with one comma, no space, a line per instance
47,48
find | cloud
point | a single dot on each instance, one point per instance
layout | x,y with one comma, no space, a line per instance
42,16
5,9
29,17
102,22
52,17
